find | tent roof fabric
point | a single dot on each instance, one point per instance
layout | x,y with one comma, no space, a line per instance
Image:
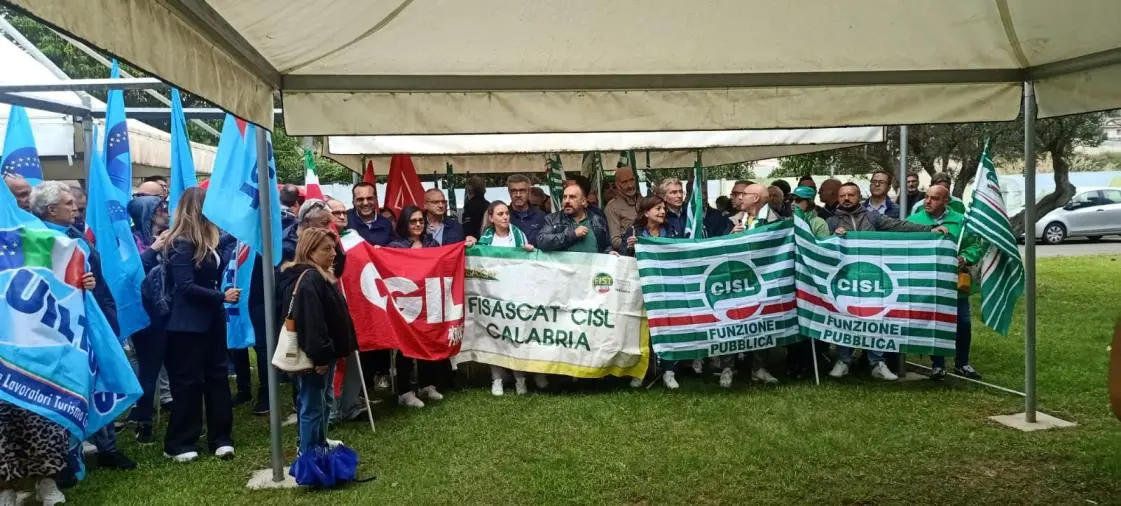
356,67
501,153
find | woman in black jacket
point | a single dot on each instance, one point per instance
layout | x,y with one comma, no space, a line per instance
196,335
324,331
411,233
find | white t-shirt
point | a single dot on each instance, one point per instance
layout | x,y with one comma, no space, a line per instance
507,241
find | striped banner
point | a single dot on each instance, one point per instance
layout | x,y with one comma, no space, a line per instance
718,296
884,291
1002,269
554,173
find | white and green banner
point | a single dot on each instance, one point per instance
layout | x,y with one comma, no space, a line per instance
573,314
718,296
884,291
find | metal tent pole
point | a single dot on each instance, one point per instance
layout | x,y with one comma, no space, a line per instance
1029,252
275,453
901,365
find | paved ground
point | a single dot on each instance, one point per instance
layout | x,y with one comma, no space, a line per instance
1109,245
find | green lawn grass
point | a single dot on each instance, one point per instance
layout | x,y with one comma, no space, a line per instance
847,442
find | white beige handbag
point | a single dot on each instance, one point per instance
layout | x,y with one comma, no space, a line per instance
288,356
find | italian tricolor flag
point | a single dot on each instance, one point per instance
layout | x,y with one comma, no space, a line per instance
28,247
311,178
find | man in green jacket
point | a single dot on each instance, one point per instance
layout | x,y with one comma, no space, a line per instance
937,212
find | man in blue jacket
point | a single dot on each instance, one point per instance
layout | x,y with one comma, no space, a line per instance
443,228
879,201
364,218
527,218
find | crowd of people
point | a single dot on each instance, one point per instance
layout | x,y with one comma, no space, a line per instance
183,363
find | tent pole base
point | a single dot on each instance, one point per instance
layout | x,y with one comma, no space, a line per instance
1043,421
262,479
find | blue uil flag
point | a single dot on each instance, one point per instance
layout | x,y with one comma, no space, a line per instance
232,196
118,160
238,274
120,259
20,156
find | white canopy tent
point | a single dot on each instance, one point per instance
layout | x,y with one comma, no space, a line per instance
359,67
60,138
503,153
366,67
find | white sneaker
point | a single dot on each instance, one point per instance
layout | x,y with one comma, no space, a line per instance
636,382
763,375
541,381
698,366
183,457
669,380
224,452
410,399
496,388
726,377
8,498
840,370
519,386
88,448
48,493
880,371
333,443
431,393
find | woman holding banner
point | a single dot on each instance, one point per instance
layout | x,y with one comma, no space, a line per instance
651,222
325,334
498,232
412,233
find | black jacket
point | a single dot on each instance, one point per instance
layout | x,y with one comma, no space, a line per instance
473,211
378,233
323,327
559,232
196,295
426,241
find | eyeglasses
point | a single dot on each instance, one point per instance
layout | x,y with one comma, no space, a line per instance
879,182
736,194
416,221
339,213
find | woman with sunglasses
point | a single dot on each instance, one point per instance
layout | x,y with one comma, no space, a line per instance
411,233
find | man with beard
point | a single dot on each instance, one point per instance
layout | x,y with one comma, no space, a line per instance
851,215
573,228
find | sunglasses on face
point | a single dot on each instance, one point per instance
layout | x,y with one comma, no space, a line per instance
416,221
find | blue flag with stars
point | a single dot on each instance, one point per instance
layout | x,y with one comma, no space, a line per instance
20,156
120,259
182,163
232,199
118,161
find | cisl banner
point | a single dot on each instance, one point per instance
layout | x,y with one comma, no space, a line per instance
574,314
406,299
883,291
719,296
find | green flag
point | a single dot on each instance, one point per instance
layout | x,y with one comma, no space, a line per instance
1002,269
554,173
694,225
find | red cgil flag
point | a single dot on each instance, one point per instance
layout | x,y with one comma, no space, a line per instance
404,187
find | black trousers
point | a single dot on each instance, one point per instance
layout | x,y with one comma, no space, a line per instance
150,345
196,367
422,373
240,359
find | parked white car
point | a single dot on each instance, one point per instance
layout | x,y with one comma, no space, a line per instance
1091,213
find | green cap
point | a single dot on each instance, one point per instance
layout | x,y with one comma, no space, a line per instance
805,193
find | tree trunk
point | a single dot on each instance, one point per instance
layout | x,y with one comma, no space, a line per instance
1057,198
965,175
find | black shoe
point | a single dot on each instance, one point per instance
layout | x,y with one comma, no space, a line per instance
938,373
167,406
967,371
115,460
241,398
261,407
144,434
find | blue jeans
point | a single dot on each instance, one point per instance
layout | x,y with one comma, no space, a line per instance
314,396
844,354
963,339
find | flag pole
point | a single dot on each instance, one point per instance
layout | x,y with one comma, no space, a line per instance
365,392
1029,252
901,365
276,454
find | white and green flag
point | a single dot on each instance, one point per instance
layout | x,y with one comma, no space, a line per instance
694,226
883,291
1002,269
573,314
719,296
554,173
